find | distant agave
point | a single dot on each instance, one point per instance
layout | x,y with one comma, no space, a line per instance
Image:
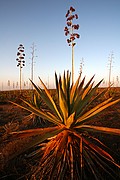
70,151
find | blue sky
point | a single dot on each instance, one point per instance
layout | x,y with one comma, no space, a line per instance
43,22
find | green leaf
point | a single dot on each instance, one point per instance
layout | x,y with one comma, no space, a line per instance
73,90
70,120
97,109
49,101
86,91
85,103
56,82
41,113
106,130
63,105
86,86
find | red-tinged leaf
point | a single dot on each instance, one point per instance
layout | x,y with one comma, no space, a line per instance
34,132
106,130
99,150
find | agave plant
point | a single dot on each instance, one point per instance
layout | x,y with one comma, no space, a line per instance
67,148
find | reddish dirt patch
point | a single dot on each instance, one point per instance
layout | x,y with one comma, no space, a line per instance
10,112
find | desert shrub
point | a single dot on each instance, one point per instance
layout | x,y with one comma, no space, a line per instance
67,148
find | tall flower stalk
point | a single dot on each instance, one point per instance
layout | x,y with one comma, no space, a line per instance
69,31
21,61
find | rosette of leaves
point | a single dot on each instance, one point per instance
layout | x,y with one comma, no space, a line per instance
67,149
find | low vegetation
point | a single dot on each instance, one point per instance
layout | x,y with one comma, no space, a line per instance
67,144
